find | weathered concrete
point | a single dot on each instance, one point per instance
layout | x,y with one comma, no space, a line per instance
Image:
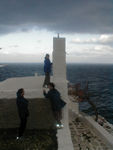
84,135
73,105
41,116
32,85
100,131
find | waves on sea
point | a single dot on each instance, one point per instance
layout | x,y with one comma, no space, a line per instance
100,79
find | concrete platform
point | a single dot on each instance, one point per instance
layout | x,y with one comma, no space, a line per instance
32,85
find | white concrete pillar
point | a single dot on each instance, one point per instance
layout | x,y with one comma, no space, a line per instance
59,65
59,78
59,71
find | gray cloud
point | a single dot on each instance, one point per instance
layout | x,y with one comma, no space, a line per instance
102,39
80,16
95,51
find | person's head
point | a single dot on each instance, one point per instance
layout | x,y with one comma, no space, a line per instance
51,85
47,56
20,92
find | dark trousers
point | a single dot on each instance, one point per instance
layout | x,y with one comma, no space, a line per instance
23,122
58,116
47,79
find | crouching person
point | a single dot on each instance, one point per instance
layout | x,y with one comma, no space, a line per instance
22,105
56,102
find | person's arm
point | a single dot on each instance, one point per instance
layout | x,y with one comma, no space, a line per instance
58,93
47,95
25,106
51,64
44,92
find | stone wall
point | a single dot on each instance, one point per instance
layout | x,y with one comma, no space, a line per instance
41,116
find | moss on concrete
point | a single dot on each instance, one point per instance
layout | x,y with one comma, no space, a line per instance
32,140
41,116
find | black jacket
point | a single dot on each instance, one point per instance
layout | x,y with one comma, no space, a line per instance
22,105
55,98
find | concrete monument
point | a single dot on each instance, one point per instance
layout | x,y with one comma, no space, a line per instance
59,78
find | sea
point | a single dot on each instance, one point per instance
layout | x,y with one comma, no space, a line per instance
99,77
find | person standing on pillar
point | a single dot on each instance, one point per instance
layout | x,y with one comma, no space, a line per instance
47,70
22,105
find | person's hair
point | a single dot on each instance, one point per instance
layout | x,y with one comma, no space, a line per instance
47,55
19,92
52,85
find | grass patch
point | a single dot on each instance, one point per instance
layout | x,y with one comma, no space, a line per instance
32,140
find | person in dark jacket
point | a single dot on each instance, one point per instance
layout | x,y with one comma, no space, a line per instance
22,105
56,102
47,70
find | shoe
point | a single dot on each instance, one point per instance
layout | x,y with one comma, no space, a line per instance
61,125
57,125
17,138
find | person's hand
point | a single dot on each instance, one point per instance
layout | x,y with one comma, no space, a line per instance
44,91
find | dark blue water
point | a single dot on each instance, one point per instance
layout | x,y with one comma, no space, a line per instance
100,79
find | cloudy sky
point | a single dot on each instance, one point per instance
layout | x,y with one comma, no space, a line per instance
27,28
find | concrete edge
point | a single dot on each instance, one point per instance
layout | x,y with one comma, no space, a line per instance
34,93
64,135
100,131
